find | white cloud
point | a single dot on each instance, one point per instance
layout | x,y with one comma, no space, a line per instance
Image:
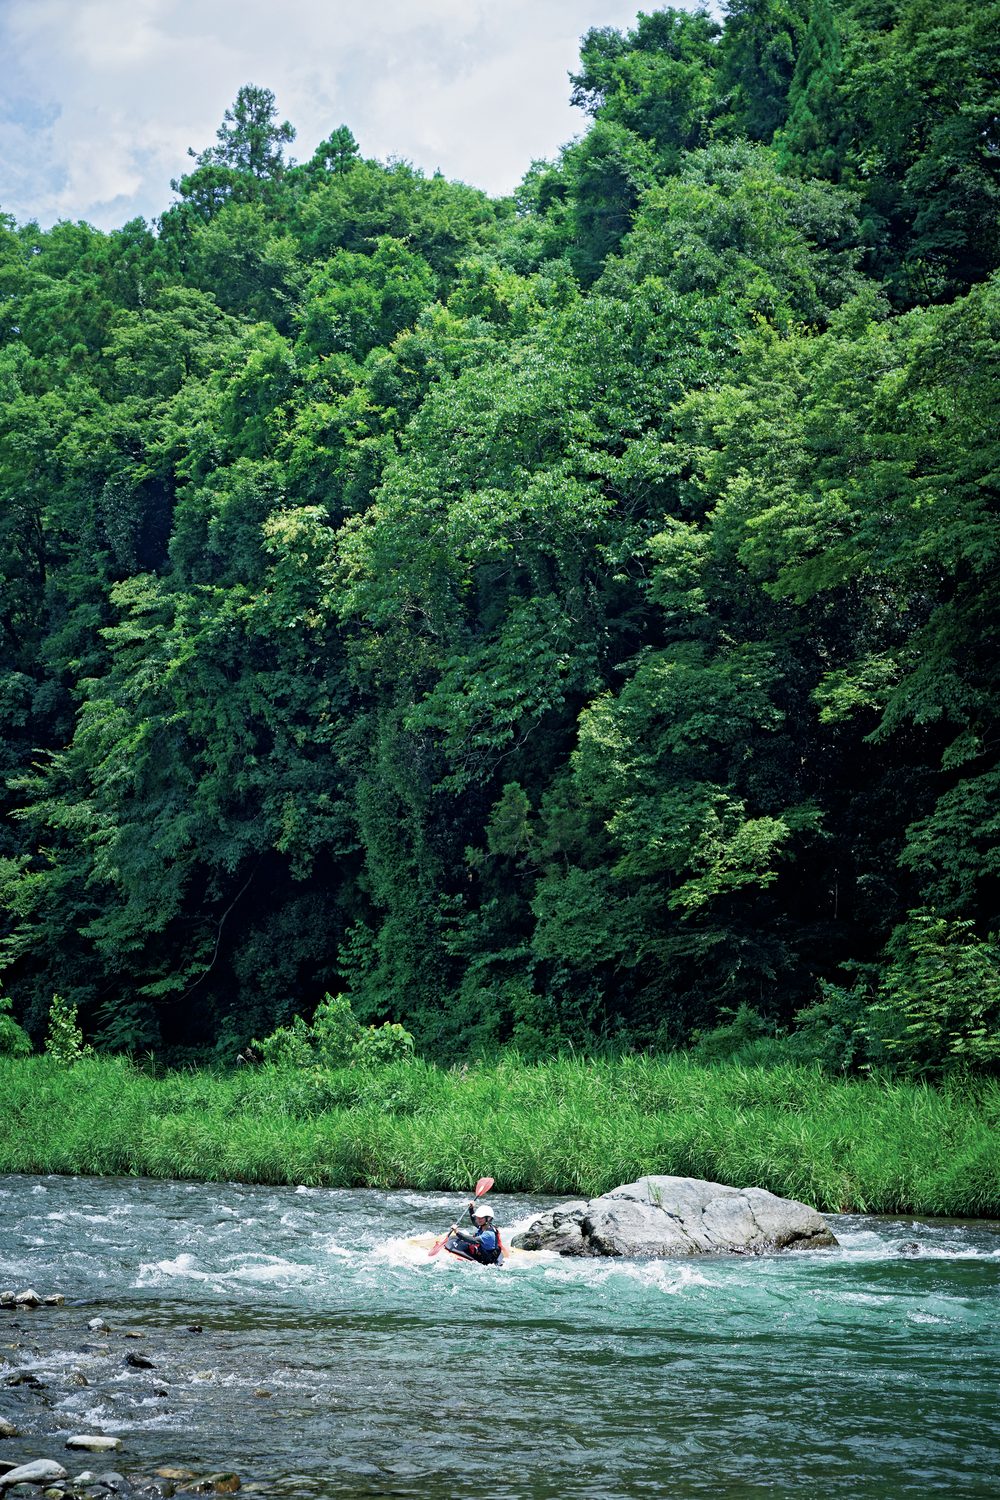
103,97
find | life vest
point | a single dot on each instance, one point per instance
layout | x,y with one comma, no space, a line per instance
474,1250
489,1257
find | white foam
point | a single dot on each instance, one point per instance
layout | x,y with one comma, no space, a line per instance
269,1268
329,1246
152,1272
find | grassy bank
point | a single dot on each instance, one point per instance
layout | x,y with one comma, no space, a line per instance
566,1126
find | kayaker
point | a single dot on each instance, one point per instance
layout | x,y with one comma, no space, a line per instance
480,1243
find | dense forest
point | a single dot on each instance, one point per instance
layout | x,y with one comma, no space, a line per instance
556,621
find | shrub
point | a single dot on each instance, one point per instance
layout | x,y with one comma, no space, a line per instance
336,1031
64,1040
336,1039
839,1031
288,1046
378,1046
14,1040
940,995
744,1031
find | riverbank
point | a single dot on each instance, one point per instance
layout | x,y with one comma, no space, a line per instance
565,1126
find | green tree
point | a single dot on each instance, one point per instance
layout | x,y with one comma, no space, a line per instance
250,138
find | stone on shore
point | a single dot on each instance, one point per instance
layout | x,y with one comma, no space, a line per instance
660,1217
95,1443
40,1471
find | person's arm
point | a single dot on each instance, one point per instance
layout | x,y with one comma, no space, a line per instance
470,1236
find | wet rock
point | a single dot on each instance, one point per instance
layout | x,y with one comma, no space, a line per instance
7,1429
25,1377
6,1467
98,1325
86,1476
660,1217
560,1228
262,1392
79,1378
192,1328
113,1481
6,1299
134,1333
40,1471
139,1362
54,1299
94,1443
27,1298
909,1247
168,1473
224,1484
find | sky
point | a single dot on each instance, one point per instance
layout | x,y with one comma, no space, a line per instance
102,98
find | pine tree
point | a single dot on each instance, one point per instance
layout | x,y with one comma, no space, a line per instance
811,142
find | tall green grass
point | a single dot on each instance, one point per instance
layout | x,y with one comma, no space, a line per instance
565,1126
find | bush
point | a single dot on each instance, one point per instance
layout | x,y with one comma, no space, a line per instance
378,1046
288,1046
743,1033
336,1031
940,995
336,1039
14,1040
839,1031
64,1040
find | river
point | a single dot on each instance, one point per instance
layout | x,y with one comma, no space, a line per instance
870,1370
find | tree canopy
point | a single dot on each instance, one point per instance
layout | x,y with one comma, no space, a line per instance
554,620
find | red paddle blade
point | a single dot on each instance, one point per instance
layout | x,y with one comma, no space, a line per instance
438,1244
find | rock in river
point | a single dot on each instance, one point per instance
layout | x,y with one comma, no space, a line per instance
94,1444
658,1217
42,1471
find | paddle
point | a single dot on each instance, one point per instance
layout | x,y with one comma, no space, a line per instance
482,1186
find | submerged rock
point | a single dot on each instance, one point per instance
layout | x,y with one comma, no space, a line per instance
660,1217
7,1429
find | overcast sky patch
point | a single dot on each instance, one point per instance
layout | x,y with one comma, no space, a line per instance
103,97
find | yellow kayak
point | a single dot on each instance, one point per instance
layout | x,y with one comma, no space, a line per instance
428,1241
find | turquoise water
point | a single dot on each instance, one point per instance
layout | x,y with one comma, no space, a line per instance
871,1370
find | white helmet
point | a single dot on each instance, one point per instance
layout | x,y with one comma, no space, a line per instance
482,1211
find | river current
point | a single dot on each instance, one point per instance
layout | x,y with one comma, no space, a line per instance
292,1335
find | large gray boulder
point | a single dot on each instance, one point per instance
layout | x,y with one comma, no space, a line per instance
658,1217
